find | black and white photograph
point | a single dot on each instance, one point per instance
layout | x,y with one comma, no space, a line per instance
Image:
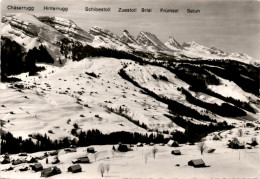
130,89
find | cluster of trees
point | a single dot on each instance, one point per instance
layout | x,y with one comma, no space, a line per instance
143,54
161,77
225,109
66,46
195,132
95,137
11,144
180,109
197,77
12,59
80,52
37,142
39,55
15,60
244,75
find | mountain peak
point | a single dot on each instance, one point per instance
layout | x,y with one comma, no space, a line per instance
67,27
126,37
193,43
58,20
149,39
96,30
173,44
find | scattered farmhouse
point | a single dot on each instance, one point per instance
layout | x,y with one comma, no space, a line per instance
91,150
47,172
31,159
139,144
235,144
123,148
176,152
81,160
173,143
37,167
70,150
197,163
216,137
75,168
211,150
16,162
5,159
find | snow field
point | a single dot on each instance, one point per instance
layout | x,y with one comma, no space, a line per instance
223,163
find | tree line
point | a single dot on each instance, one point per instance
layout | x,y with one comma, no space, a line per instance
38,142
15,60
195,132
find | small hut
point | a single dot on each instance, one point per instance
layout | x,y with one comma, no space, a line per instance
8,169
16,162
37,167
56,160
4,160
139,144
70,150
249,124
47,172
197,163
122,148
40,158
176,152
173,143
81,160
190,143
31,159
216,137
53,153
211,150
75,169
235,144
91,150
25,168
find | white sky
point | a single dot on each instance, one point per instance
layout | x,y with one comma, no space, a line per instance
233,26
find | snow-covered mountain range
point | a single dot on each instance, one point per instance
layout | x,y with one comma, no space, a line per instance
139,84
30,31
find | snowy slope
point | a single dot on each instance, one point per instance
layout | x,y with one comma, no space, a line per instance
84,99
64,98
